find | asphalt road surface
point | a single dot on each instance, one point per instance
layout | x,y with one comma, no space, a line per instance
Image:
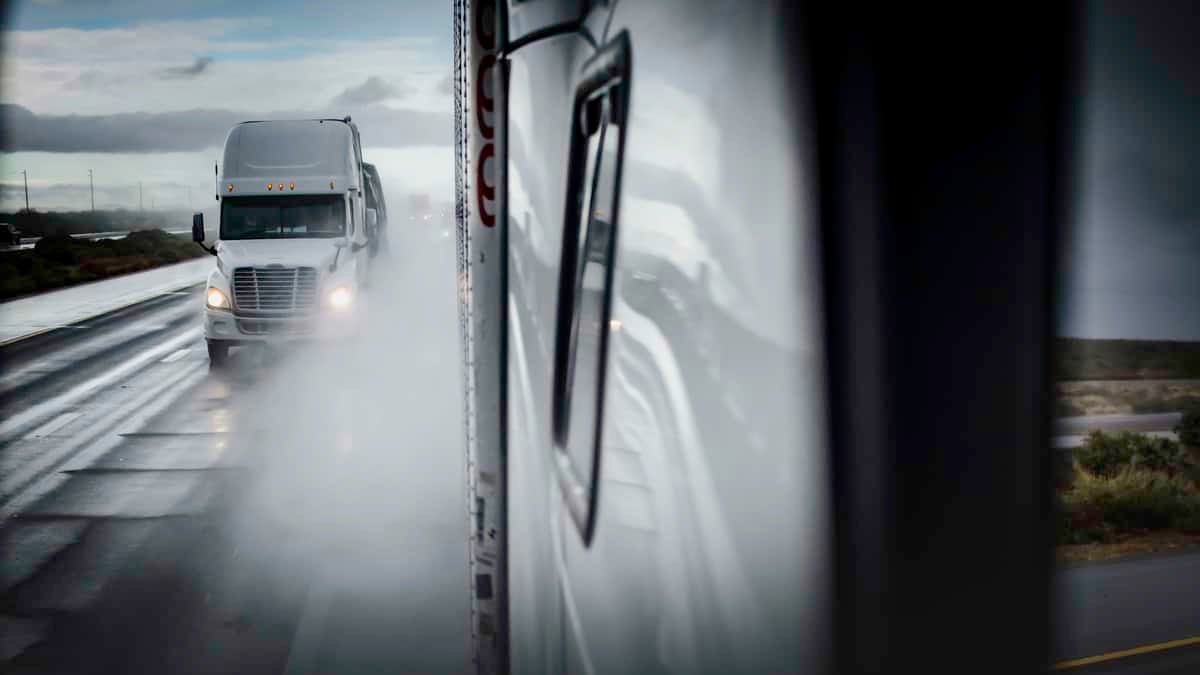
301,511
1142,422
1135,605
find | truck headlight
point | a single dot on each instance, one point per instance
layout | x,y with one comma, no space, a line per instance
215,299
340,298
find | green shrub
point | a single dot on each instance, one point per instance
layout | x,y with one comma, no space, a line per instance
1162,454
1189,522
59,248
1078,523
1106,454
1189,427
1135,498
59,260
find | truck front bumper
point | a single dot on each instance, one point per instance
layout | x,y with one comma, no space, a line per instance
323,325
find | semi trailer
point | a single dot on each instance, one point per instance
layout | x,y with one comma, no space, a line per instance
299,219
708,254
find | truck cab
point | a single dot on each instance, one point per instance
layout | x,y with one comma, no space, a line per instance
293,238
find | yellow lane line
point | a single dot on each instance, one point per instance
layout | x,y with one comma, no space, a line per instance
1112,656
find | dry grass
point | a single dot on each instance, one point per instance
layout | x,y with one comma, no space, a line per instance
1109,397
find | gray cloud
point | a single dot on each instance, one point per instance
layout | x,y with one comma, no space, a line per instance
183,72
22,130
373,90
1130,268
94,79
446,85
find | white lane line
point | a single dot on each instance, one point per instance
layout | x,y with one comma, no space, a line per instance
302,657
30,416
111,337
175,356
53,425
34,480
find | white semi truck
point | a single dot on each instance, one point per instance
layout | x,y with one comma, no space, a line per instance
298,225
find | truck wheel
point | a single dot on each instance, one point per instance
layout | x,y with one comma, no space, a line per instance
218,353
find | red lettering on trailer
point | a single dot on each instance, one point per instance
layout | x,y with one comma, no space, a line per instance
485,103
485,192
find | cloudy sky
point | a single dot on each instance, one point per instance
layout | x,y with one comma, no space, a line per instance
145,90
1134,257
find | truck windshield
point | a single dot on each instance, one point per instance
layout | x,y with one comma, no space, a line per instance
283,217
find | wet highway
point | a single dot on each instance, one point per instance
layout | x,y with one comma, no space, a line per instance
1136,615
301,511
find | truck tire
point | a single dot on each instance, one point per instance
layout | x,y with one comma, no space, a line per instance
218,353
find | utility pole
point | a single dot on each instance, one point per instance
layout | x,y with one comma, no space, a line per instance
92,189
26,175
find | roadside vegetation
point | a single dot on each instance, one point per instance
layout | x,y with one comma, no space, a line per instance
1105,377
1125,397
34,223
1126,492
59,260
1083,359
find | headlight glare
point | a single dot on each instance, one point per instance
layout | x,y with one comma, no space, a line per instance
215,299
340,298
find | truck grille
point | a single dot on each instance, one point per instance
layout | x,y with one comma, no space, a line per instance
275,327
275,290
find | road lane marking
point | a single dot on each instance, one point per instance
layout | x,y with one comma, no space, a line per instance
109,338
30,416
1124,653
33,480
175,356
127,302
306,642
53,425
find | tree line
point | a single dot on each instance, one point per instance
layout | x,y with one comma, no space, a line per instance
34,223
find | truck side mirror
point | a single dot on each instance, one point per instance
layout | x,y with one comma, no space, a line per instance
198,228
372,219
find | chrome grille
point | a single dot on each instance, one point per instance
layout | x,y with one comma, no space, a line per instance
275,326
274,290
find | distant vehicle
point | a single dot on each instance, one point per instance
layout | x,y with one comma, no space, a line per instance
9,235
299,213
420,208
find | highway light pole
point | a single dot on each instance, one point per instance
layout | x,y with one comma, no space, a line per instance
26,175
92,190
140,196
